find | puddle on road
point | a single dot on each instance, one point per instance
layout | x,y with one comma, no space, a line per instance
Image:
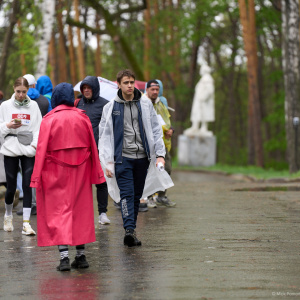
270,189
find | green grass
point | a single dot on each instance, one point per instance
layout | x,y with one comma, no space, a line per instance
252,171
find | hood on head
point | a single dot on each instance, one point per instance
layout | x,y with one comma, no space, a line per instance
161,87
120,98
62,94
93,82
33,93
44,85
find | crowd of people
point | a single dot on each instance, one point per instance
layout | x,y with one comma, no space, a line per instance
55,142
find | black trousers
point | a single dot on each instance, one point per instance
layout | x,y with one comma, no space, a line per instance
11,165
102,197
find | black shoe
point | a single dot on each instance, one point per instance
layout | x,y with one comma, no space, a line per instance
130,238
80,262
20,212
137,241
33,210
64,265
143,206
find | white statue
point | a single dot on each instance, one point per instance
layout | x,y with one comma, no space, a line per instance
203,109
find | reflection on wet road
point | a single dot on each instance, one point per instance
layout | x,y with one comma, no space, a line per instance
221,241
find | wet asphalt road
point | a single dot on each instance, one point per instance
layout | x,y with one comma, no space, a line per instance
216,243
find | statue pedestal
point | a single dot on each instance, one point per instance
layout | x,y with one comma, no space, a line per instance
197,151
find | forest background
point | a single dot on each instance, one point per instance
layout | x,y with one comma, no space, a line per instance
242,41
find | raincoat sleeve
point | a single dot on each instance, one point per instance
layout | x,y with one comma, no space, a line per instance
163,111
159,146
4,130
40,152
106,140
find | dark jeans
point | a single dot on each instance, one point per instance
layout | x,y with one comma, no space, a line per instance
130,176
11,165
102,197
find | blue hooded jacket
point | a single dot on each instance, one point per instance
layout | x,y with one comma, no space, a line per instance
161,97
42,101
45,87
63,94
33,93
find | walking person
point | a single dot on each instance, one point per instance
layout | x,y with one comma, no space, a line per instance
152,92
20,120
93,104
43,104
67,164
45,87
130,147
2,171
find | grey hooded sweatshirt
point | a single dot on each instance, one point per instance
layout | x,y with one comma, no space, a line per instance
132,142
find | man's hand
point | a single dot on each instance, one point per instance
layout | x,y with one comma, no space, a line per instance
108,173
160,159
13,125
168,134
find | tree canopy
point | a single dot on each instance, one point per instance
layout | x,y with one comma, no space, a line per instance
167,40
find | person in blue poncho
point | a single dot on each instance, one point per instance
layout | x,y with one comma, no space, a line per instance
34,94
45,87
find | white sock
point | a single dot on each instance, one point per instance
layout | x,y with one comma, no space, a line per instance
26,215
63,251
8,209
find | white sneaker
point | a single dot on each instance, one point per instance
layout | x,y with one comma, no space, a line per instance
27,230
103,219
8,225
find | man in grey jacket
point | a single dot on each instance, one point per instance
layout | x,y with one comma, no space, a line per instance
131,148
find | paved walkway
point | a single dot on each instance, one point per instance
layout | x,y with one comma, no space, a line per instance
216,244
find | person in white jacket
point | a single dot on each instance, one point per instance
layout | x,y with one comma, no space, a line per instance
20,120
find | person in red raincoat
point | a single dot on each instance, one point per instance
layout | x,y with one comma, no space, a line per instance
66,166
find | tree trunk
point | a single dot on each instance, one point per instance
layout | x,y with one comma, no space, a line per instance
194,58
247,17
72,57
290,62
62,58
8,38
47,8
147,42
52,59
80,54
22,55
98,64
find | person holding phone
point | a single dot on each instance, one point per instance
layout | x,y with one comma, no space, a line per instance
20,120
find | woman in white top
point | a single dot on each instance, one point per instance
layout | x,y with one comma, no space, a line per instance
20,120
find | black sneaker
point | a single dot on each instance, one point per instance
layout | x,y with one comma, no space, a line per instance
137,241
64,265
20,212
130,238
80,262
143,206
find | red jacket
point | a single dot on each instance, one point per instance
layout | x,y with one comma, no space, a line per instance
66,166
